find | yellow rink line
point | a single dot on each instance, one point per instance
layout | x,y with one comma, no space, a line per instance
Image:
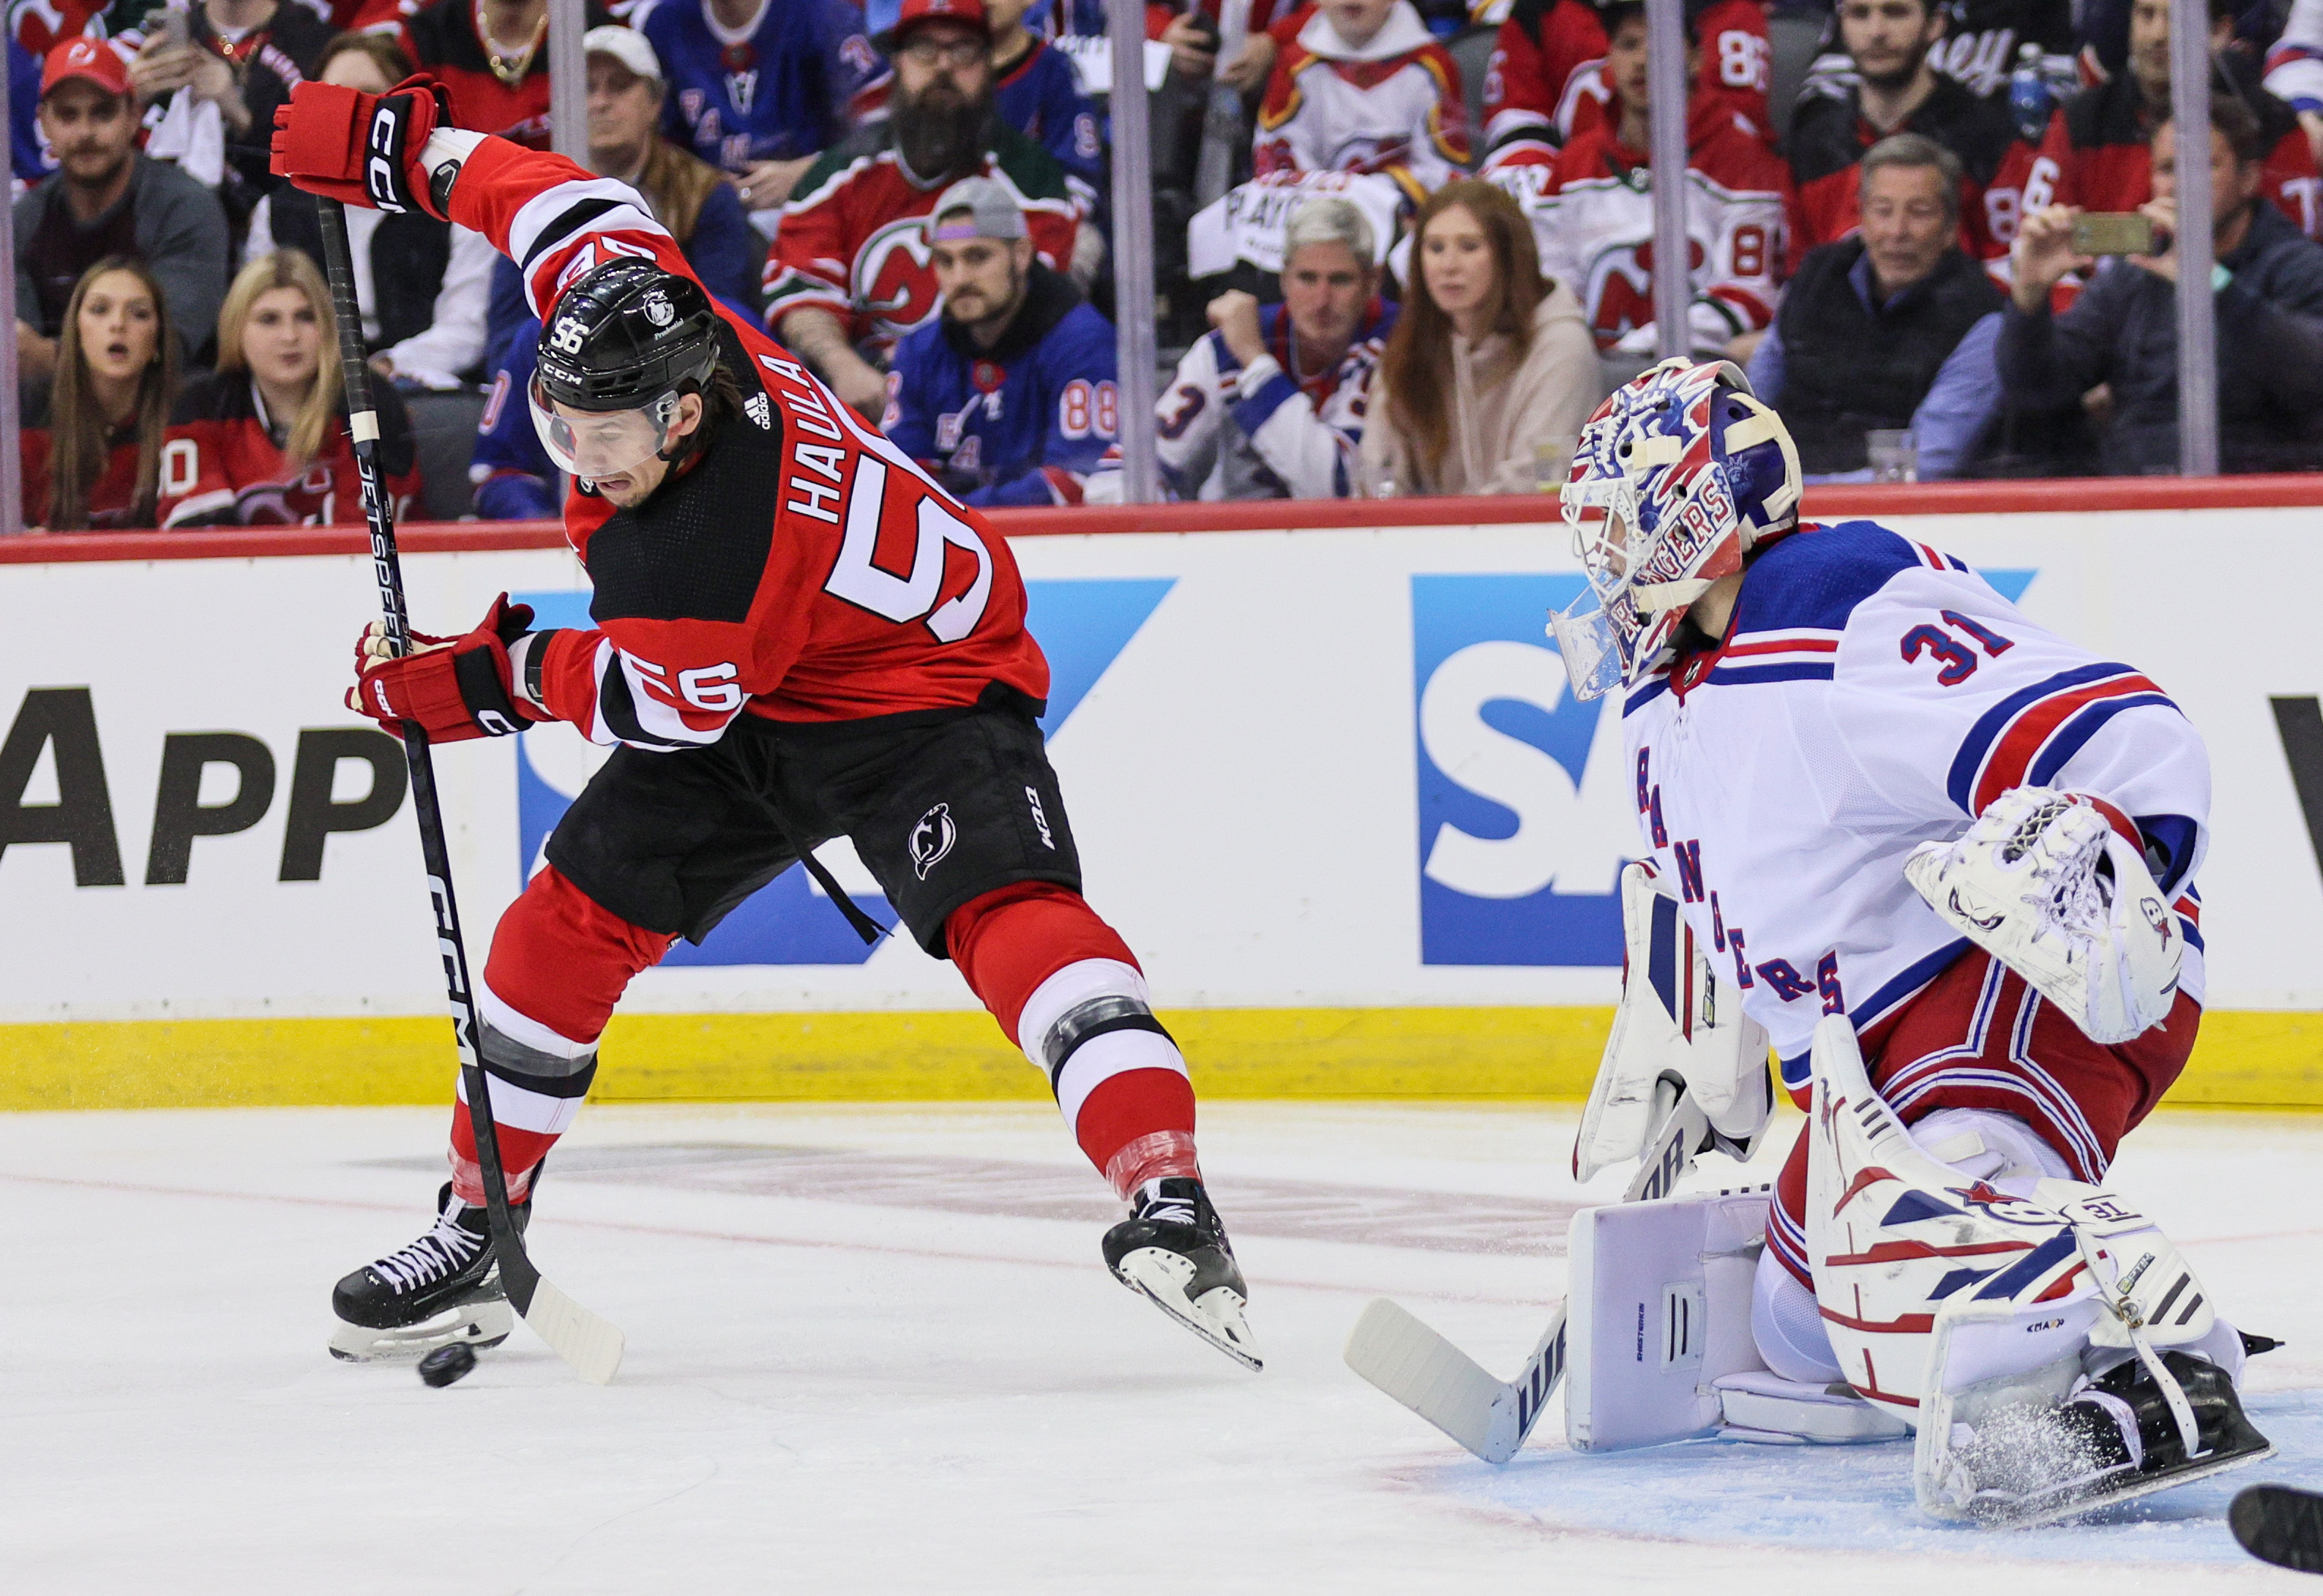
2245,1060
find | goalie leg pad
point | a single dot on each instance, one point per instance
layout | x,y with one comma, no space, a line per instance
1677,1022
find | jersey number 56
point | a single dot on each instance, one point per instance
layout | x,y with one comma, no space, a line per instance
857,580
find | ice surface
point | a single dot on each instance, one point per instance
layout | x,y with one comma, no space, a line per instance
874,1350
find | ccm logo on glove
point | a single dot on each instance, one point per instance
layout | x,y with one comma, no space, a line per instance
453,688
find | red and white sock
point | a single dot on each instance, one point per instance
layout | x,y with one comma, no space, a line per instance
1067,989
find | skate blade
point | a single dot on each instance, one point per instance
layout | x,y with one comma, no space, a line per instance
1160,1276
477,1324
2055,1512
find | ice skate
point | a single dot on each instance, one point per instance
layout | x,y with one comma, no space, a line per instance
1173,1250
2117,1439
442,1288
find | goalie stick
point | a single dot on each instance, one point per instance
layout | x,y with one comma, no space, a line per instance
592,1345
1396,1351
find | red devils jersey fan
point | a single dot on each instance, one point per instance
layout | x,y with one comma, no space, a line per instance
1894,87
1546,82
798,636
849,273
262,440
2096,154
1596,232
493,57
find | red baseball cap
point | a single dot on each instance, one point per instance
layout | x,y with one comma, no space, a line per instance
967,13
91,59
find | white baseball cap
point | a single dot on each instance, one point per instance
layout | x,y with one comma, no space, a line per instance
627,46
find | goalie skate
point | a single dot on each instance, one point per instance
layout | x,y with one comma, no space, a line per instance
2052,1348
2117,1438
1172,1251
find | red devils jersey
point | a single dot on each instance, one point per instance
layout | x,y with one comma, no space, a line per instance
1829,137
221,466
442,39
112,498
1596,230
802,569
1543,80
853,239
2098,155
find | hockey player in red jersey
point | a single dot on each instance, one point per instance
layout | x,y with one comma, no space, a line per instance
799,635
1596,228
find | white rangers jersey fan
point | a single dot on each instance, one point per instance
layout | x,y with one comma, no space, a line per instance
1592,215
1232,431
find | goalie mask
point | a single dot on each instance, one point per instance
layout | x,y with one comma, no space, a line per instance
625,343
1674,479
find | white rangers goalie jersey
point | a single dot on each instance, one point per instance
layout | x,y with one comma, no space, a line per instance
1873,694
1593,217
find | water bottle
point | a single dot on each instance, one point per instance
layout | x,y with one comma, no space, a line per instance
2028,96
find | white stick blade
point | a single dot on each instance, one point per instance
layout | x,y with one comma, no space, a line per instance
1412,1363
591,1345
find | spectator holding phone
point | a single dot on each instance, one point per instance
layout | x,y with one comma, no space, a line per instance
2122,330
98,462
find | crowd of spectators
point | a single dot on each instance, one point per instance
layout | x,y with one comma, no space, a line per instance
1404,246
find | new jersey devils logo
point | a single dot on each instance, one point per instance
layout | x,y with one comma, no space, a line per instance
931,838
892,278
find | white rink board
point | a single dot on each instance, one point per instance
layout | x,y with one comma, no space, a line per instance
1245,777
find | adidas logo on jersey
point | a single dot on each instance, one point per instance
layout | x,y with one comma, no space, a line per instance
760,410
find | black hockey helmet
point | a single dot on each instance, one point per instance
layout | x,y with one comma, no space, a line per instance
625,334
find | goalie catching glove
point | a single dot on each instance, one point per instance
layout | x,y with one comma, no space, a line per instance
453,688
2045,884
364,148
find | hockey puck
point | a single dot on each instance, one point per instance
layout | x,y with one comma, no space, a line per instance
447,1364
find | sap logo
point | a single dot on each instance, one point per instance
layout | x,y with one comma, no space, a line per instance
1082,626
1524,823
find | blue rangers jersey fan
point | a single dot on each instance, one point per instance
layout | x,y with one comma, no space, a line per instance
778,89
1025,422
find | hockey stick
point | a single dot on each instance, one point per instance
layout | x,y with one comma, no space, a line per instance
1490,1417
591,1345
2280,1523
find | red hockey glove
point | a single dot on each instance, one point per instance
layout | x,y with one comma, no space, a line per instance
455,688
363,149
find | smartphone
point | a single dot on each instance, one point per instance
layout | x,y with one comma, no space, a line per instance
2113,232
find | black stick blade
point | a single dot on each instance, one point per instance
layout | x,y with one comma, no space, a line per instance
2280,1523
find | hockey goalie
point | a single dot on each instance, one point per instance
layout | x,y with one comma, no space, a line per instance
1943,861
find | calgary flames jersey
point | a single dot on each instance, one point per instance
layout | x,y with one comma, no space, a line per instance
853,239
802,569
1593,217
1393,107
